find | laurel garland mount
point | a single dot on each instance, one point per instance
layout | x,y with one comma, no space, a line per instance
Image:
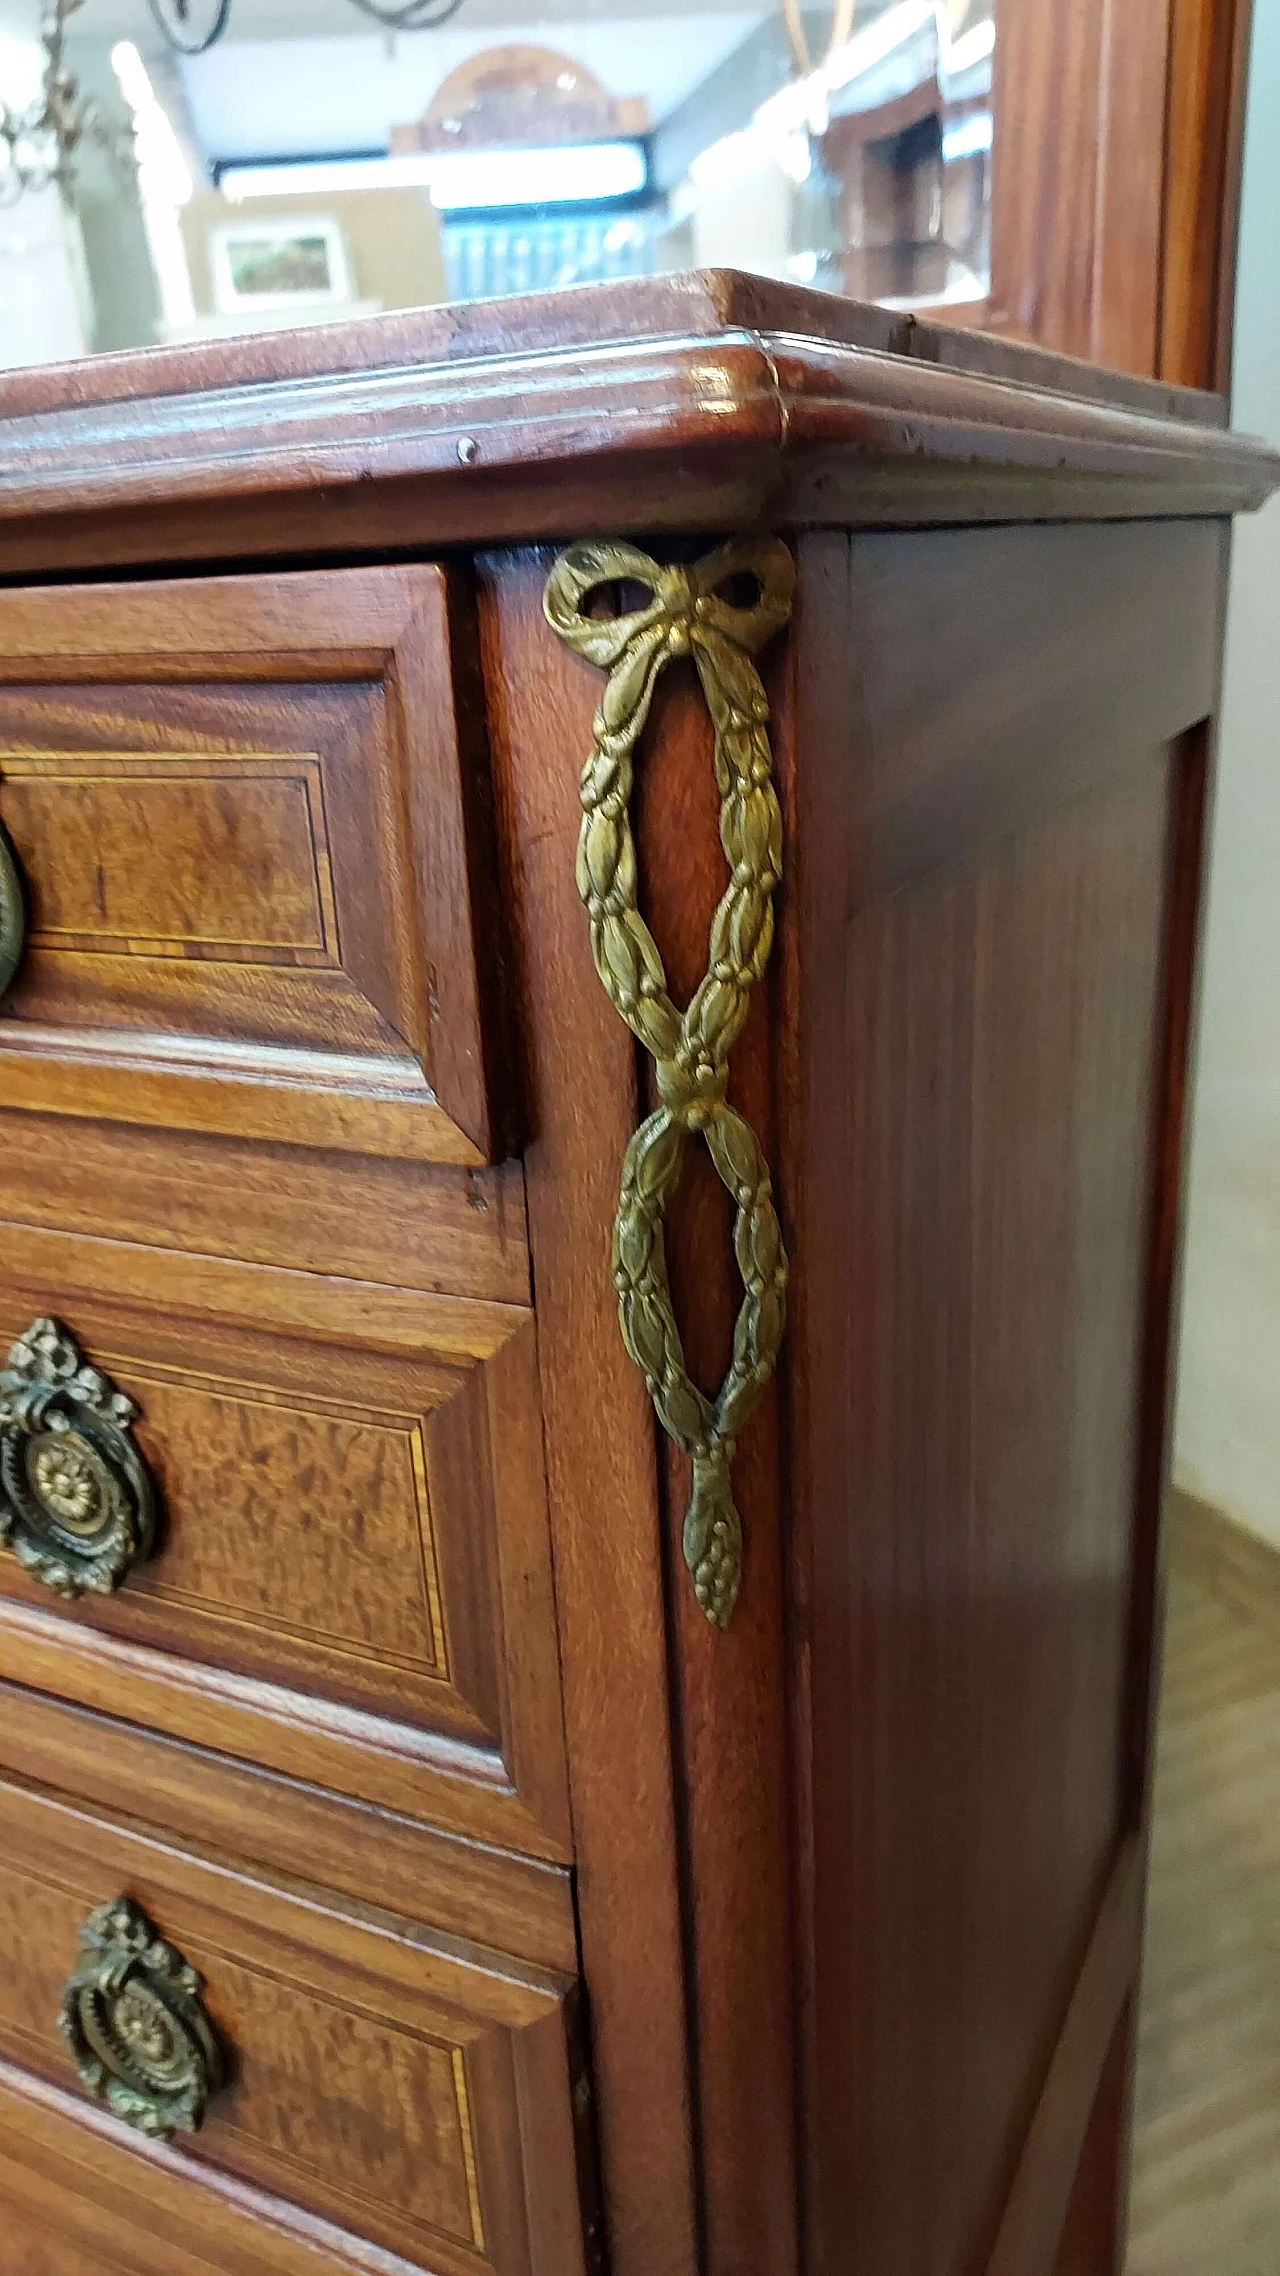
694,612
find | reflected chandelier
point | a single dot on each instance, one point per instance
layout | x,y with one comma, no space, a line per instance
40,144
192,27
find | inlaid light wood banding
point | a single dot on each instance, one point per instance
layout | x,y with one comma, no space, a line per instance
253,822
352,1580
357,1569
384,2078
176,853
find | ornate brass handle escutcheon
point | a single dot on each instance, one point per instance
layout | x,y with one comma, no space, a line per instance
694,612
13,912
77,1506
134,2021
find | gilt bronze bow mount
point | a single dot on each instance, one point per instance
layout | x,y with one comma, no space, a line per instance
694,612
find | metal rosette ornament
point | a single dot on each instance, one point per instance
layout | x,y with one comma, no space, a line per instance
77,1505
694,612
135,2025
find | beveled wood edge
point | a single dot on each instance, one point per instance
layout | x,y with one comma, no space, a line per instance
501,1898
466,1228
396,623
417,1971
1027,2241
510,1791
254,626
457,1331
226,1094
151,2185
420,1774
42,2205
761,425
701,302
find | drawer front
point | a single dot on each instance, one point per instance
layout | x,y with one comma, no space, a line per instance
372,2082
427,1225
349,1578
251,842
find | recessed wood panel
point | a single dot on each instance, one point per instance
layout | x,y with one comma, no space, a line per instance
1004,1025
251,828
354,1569
994,941
175,855
321,2090
377,2078
353,1544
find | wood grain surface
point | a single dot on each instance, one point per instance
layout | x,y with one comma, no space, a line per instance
251,840
353,1578
776,404
1080,99
982,979
581,1099
141,2209
465,1887
383,2082
435,1228
1208,76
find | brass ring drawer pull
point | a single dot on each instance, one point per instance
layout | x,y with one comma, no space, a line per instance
136,2026
13,912
77,1505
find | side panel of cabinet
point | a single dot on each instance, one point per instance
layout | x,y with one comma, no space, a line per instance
998,789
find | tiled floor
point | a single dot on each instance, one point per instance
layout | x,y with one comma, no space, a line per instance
1206,2195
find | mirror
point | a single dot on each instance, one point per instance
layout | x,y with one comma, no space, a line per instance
176,170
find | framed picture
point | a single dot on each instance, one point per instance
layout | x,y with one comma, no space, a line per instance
291,263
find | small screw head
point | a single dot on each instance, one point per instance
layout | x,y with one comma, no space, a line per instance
468,450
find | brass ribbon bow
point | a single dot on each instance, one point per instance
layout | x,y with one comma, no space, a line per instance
689,615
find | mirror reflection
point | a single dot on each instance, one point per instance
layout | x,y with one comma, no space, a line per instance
176,170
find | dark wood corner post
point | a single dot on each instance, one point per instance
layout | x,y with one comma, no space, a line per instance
681,1821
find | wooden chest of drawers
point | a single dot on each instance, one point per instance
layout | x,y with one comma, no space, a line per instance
473,1798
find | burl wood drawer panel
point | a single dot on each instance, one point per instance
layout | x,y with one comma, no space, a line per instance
372,2085
349,1578
249,815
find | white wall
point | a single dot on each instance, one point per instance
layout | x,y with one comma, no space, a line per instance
1228,1415
42,293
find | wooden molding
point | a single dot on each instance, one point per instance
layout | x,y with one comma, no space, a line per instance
779,408
394,1050
1036,2207
1204,149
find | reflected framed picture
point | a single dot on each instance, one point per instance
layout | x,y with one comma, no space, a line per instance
290,263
